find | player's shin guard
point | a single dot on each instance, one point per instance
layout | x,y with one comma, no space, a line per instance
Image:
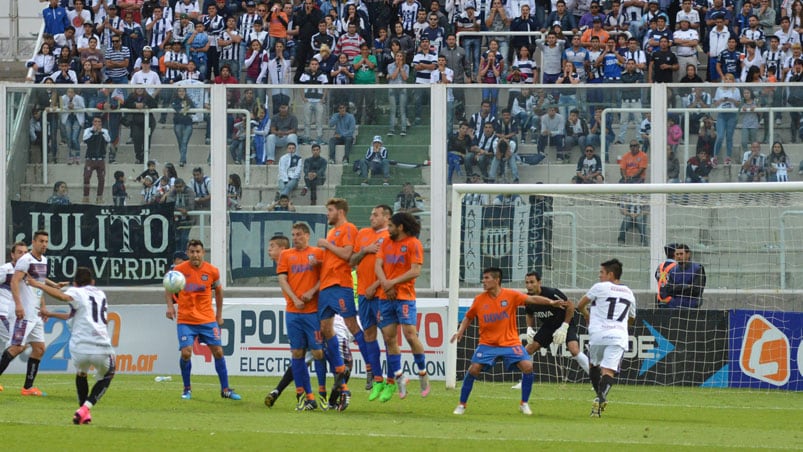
301,375
394,365
594,372
222,373
605,385
373,358
420,361
468,385
30,375
186,367
320,372
526,386
287,378
582,360
81,388
100,388
5,361
333,354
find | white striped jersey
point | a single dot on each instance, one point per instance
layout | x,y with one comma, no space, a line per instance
245,24
526,67
214,27
6,300
88,321
115,23
422,76
231,51
408,12
187,8
159,31
610,309
172,74
29,296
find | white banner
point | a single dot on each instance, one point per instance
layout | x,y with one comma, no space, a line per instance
254,341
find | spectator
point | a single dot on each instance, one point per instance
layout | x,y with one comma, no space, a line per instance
468,21
707,137
563,18
778,164
342,73
117,60
314,174
140,100
283,128
59,196
43,64
633,208
457,61
234,192
458,147
314,99
376,160
698,167
279,74
749,118
567,98
672,168
119,195
199,44
202,186
645,132
282,204
184,199
79,17
553,131
184,26
214,24
754,164
72,120
65,75
290,166
576,133
508,200
397,74
663,63
589,168
261,128
150,191
345,126
686,40
684,284
492,67
408,200
483,151
55,17
524,22
365,74
133,36
633,165
719,39
160,30
256,63
305,24
322,37
726,97
182,123
96,139
482,117
504,157
229,45
698,98
730,61
476,199
674,134
795,98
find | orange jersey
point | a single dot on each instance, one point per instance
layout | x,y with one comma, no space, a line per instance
397,258
497,317
195,301
632,164
277,24
366,275
301,275
336,271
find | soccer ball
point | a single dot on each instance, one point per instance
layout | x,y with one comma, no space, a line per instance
174,281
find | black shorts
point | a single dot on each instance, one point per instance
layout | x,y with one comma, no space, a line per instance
544,335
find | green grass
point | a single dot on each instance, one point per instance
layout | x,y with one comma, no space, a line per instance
140,414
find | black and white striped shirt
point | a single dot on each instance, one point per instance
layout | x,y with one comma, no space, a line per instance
171,74
487,142
115,23
245,24
214,27
231,51
159,31
478,122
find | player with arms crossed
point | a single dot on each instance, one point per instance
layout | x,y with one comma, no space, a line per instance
366,246
196,318
609,307
29,327
90,345
337,294
299,278
558,324
495,310
398,264
7,307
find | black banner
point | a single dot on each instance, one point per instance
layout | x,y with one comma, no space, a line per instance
667,347
123,246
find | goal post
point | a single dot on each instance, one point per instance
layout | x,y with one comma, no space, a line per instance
749,236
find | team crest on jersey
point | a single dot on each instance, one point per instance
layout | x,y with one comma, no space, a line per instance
381,240
504,303
337,233
403,249
204,277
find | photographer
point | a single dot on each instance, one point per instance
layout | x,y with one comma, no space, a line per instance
96,139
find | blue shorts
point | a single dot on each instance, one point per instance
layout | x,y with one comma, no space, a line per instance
396,312
303,330
207,333
369,312
336,300
487,355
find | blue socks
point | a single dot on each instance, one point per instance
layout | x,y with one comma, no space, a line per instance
468,385
394,365
222,373
301,375
526,386
373,357
320,371
420,361
333,353
186,367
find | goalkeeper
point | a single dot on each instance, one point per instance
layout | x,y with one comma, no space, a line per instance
558,323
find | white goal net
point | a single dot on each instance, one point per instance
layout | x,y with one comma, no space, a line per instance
747,238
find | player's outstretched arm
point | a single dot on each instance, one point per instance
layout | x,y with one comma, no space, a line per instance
54,292
583,306
543,301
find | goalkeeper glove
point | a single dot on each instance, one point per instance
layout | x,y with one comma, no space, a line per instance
530,333
559,336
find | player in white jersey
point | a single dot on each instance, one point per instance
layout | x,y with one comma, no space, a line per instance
612,308
90,344
7,315
28,327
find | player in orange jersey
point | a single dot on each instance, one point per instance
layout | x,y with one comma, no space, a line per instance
367,244
495,310
337,294
299,278
398,264
197,318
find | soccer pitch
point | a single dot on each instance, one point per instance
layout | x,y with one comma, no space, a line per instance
139,414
